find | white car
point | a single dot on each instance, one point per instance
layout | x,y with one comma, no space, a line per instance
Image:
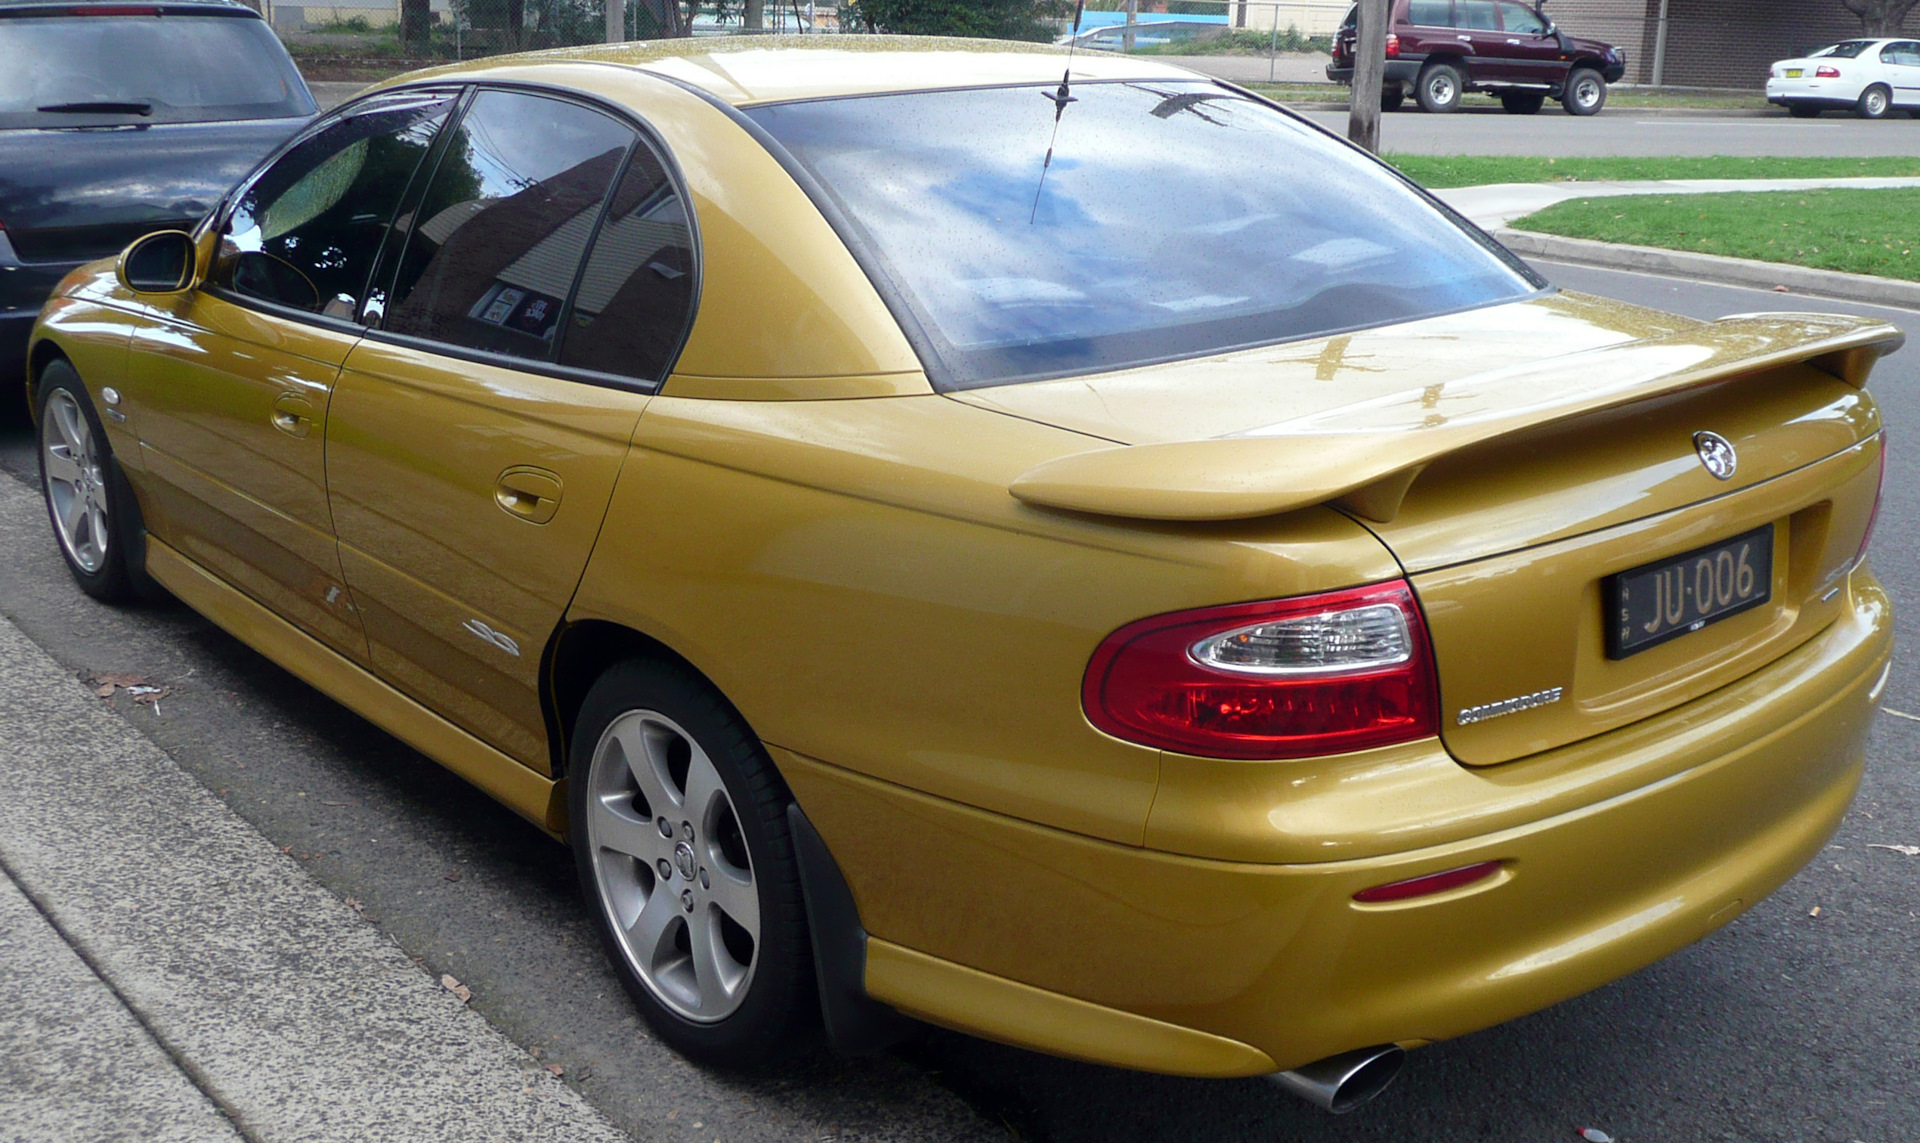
1871,78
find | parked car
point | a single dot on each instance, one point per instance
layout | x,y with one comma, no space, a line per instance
1441,49
1193,604
117,120
1871,78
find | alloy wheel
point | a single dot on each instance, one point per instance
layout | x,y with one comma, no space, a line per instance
76,481
671,866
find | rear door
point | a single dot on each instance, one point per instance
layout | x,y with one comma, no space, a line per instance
476,435
1476,31
231,393
1902,62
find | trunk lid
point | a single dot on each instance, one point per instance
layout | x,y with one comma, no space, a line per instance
80,193
1512,483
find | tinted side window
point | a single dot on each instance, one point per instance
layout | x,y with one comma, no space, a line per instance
1429,13
1477,15
497,241
306,232
1522,20
637,291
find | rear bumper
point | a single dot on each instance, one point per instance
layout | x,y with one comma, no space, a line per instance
1152,960
1818,93
1397,71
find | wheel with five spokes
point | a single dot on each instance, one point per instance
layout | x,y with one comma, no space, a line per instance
678,825
88,501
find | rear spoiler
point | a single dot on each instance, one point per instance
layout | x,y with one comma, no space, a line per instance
1365,457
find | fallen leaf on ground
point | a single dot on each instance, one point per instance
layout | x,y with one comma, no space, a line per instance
118,679
556,1069
149,694
458,989
1909,850
451,875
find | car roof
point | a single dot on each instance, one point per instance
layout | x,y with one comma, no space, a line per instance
745,70
20,8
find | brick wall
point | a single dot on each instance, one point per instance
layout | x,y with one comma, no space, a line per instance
1710,43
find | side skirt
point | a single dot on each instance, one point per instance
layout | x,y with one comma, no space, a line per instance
540,800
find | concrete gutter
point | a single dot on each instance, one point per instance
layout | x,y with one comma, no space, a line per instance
169,974
1713,268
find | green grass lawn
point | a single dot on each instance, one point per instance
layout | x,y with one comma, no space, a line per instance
1859,231
1478,170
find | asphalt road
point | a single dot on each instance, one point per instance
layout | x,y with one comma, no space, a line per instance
1784,1026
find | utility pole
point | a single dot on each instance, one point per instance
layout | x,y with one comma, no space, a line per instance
1126,37
616,21
1369,67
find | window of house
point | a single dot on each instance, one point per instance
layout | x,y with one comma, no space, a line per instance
636,294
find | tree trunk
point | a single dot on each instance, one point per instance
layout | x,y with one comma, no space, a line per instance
416,16
1880,17
756,15
516,24
1369,67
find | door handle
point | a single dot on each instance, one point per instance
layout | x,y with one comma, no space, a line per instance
293,414
526,493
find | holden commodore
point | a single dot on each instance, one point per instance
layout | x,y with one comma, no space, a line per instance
1093,561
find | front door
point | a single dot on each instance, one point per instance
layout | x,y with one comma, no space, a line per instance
476,436
1532,52
231,401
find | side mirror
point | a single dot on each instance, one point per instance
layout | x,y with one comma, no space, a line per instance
159,264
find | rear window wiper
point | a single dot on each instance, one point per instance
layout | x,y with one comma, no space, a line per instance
100,108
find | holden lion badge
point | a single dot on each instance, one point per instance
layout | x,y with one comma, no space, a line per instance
1716,452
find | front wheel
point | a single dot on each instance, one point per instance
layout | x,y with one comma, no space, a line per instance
679,830
1874,103
1586,92
93,512
1522,102
1439,88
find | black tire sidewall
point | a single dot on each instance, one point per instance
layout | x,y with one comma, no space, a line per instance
1426,77
782,1000
112,583
1573,80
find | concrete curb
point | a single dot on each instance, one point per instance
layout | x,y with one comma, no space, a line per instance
293,1015
1714,268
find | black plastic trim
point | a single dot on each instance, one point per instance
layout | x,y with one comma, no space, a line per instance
855,1021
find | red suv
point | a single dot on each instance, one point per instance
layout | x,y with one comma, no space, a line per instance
1442,49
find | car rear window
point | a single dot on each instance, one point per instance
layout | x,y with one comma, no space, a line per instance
1846,49
1175,220
78,71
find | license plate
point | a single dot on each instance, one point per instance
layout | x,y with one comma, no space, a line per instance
1793,73
1660,601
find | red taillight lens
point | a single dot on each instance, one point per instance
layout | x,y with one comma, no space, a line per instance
1393,45
1428,885
1826,72
1290,678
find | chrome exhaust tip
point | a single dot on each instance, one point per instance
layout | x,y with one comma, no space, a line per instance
1341,1083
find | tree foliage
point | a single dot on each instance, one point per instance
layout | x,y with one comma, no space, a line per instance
989,19
1880,17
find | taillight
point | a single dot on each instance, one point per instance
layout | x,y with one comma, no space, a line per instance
1826,72
1289,678
1393,45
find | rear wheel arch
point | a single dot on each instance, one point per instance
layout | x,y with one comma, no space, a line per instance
575,658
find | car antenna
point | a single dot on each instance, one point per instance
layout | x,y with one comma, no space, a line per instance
1061,97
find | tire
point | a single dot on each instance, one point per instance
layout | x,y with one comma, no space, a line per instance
1875,102
96,520
1803,110
1522,102
1586,92
1439,88
705,923
1392,96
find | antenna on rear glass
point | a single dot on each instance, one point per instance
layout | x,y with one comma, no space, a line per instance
1061,97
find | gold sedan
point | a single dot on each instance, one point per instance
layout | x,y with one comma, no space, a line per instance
1091,561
